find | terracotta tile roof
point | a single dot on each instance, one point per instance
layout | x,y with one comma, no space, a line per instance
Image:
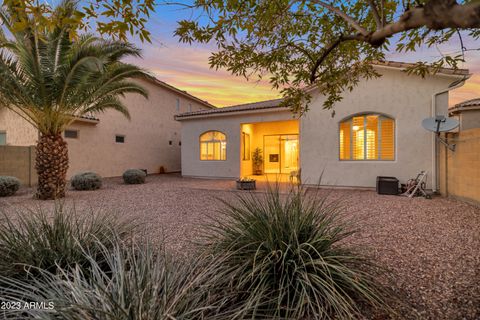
269,104
472,104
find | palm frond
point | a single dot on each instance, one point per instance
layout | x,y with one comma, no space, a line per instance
49,79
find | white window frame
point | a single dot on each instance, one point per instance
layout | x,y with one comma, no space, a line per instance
213,141
379,136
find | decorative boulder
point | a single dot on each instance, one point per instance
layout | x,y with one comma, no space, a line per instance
86,181
8,186
134,176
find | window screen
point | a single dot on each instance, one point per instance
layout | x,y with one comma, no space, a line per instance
71,134
119,139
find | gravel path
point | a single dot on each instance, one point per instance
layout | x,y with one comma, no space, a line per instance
431,248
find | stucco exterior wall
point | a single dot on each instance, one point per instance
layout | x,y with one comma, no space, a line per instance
152,136
405,98
19,131
230,125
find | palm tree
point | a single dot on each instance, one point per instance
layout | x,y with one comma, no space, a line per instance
49,80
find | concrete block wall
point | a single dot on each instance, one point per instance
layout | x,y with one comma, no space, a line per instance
18,161
460,170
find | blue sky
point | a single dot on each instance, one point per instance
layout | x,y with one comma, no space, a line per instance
186,66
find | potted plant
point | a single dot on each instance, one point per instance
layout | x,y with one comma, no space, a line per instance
246,184
257,161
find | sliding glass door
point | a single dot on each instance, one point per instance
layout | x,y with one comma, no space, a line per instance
280,153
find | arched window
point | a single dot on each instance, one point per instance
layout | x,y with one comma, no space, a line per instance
213,146
367,137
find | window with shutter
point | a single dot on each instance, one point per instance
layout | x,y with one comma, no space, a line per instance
213,146
367,137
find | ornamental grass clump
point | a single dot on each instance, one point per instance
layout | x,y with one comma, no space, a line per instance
39,239
142,283
286,257
8,186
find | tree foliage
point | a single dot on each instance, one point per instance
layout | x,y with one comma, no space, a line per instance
117,19
49,79
299,44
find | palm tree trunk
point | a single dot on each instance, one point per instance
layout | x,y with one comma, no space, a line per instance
51,164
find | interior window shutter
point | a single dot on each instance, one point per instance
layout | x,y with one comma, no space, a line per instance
345,134
371,143
388,139
358,136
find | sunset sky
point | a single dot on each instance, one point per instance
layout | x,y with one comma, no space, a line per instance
186,66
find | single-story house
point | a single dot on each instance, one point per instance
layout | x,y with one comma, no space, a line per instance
376,131
108,143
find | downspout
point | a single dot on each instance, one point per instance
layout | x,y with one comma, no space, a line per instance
454,85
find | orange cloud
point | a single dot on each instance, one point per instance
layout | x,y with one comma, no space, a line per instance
470,90
186,67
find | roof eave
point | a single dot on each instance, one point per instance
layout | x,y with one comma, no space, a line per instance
230,113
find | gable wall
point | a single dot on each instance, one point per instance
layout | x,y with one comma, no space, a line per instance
405,98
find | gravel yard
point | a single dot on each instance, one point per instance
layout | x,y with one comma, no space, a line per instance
431,248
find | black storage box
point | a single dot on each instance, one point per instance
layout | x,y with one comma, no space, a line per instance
387,185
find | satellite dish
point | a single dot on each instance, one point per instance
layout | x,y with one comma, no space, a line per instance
441,124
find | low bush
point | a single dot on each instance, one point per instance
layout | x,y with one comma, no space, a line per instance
8,186
86,181
134,176
286,258
50,240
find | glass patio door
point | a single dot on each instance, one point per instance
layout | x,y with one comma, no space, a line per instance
280,153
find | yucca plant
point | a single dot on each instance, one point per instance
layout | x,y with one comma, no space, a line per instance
287,257
50,79
52,240
143,284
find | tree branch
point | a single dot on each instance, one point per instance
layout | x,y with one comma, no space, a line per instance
375,14
435,15
327,50
345,16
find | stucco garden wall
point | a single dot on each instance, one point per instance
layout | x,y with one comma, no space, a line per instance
460,169
19,162
407,99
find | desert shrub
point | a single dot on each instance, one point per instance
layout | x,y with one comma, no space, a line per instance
86,181
8,186
142,284
286,257
134,176
51,240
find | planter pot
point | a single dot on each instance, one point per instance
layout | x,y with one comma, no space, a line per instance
258,172
246,185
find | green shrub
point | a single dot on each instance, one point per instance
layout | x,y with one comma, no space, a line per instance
134,176
141,284
286,258
52,240
86,181
8,186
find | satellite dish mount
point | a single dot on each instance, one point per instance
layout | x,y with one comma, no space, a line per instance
440,124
